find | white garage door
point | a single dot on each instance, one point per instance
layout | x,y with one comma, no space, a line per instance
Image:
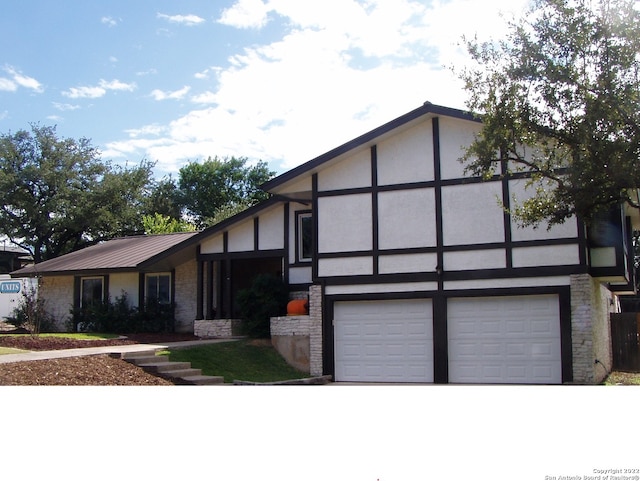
384,341
505,340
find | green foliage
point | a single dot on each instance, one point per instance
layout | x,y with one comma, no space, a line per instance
31,313
163,198
119,316
58,196
217,184
267,297
559,100
162,224
238,361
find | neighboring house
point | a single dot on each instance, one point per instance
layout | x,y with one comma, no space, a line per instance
414,271
12,290
146,268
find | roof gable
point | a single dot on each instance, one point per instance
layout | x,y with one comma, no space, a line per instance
427,109
115,254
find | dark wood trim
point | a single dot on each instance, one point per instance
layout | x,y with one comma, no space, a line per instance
199,290
210,286
314,197
286,242
440,340
256,233
375,236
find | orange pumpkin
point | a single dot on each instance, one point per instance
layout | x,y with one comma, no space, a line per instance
298,307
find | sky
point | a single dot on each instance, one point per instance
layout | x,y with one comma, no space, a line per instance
281,81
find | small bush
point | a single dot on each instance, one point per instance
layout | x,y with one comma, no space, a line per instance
267,297
31,314
120,317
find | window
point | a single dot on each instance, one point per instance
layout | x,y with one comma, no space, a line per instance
91,291
158,288
304,234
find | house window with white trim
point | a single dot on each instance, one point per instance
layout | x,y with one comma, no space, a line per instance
304,232
158,288
91,291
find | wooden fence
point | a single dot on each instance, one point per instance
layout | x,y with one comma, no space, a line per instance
625,341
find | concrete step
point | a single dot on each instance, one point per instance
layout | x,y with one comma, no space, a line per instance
182,373
149,359
164,367
202,380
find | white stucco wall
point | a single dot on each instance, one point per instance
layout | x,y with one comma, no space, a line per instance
124,282
471,214
270,229
407,157
345,223
454,134
353,171
406,218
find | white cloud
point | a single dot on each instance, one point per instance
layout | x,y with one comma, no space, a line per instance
85,92
117,85
19,80
188,20
153,129
65,107
245,14
97,91
109,21
329,78
204,98
7,85
175,95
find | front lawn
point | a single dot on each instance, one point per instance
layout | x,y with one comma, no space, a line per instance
84,336
243,360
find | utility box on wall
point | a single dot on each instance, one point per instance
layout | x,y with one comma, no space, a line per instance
610,246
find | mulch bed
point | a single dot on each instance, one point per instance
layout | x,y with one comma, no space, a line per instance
42,343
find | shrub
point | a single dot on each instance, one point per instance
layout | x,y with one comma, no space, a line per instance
267,297
31,313
120,317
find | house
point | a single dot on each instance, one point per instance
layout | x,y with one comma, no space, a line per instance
145,268
413,270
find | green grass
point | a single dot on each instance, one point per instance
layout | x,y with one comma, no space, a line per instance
9,350
91,336
238,361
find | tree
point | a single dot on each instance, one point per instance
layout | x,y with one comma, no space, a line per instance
560,100
217,184
164,224
58,196
164,199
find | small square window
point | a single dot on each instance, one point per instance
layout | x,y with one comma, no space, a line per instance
91,291
158,288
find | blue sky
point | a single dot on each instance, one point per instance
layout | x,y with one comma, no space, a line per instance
275,80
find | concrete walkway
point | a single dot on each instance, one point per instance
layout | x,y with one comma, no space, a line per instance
91,351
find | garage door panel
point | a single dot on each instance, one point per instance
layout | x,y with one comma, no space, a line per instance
504,340
392,340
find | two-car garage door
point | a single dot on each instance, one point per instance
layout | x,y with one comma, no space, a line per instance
514,339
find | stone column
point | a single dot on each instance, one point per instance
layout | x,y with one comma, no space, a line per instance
315,330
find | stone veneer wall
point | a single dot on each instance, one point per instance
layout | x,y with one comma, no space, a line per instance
186,292
57,292
299,338
216,328
591,306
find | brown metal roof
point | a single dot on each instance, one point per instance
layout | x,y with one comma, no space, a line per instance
120,253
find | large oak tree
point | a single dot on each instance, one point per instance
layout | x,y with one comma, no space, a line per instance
59,196
560,101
